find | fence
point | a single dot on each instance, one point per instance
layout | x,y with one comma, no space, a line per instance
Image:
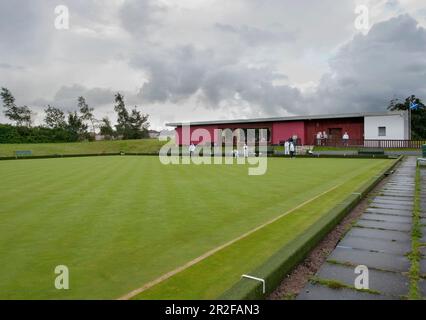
339,142
412,144
369,143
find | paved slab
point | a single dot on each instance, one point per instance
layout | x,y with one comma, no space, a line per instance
399,190
422,287
379,234
390,211
390,282
386,217
380,240
423,205
378,245
396,200
423,267
319,292
377,260
400,186
398,182
384,225
423,239
397,194
391,206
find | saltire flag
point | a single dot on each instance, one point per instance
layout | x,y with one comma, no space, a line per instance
413,106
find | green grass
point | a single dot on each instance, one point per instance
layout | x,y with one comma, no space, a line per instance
95,147
120,222
324,148
416,235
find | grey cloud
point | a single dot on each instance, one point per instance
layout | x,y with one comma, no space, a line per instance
256,36
178,74
8,66
139,16
24,27
369,70
365,74
215,55
66,97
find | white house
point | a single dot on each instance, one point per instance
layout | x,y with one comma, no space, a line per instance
387,126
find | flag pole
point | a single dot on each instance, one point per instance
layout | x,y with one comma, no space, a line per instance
409,122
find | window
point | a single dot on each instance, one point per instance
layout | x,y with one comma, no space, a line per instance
382,131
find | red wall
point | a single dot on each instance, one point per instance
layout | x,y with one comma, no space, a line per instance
353,126
284,130
210,129
305,130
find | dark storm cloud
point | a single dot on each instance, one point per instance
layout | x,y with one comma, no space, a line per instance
177,74
365,74
370,70
265,57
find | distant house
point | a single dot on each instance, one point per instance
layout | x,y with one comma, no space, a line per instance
153,134
99,137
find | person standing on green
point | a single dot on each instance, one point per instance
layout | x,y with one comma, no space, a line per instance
292,149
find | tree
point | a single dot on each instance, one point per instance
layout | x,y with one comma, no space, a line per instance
86,112
418,115
106,128
122,126
76,126
55,118
130,126
138,125
21,115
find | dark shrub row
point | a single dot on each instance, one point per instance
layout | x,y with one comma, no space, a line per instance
14,134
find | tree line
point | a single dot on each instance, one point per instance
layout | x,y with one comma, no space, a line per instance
80,125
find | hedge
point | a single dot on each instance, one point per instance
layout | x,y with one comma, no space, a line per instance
14,134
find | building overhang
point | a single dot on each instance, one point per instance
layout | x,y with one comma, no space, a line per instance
285,119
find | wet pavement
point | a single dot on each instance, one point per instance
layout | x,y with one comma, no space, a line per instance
380,240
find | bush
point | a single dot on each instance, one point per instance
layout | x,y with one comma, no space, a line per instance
13,134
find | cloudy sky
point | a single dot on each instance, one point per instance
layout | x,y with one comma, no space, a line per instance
183,60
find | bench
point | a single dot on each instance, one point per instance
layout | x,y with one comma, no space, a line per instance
23,153
371,151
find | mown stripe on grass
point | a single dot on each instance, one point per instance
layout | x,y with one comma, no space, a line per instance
167,275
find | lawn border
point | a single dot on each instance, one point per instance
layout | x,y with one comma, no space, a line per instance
213,251
284,260
57,156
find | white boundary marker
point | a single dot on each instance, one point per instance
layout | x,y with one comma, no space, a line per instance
169,274
257,279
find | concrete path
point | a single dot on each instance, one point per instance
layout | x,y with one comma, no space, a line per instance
380,240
